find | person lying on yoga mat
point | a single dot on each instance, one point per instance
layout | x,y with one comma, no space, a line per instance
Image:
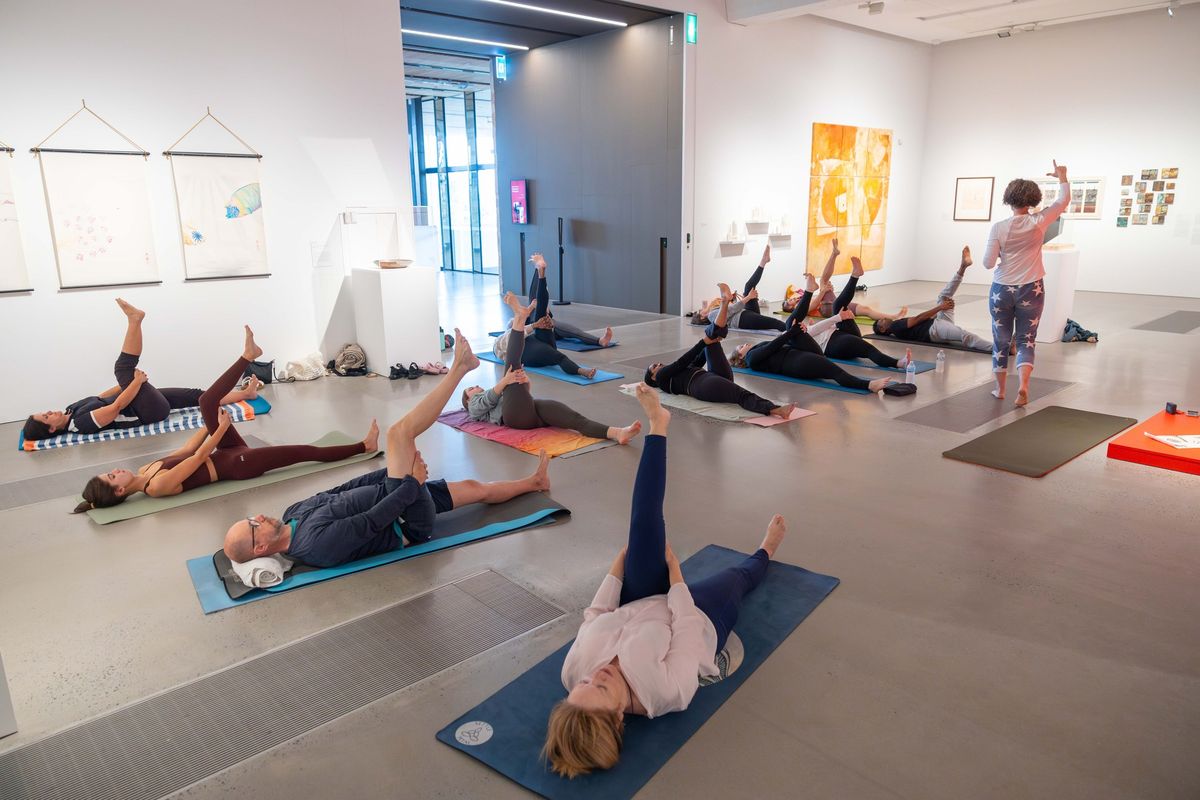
687,375
511,403
540,350
744,312
648,636
215,453
562,330
838,336
936,325
133,401
827,300
794,354
355,520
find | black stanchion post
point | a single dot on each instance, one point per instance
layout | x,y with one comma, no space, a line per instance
662,275
523,282
560,301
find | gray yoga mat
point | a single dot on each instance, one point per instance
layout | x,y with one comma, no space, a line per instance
70,483
1175,322
959,299
968,410
1041,442
937,345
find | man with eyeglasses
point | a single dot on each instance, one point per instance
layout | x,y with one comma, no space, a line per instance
355,520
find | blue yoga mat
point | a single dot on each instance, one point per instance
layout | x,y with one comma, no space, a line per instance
922,366
568,344
837,387
213,597
515,717
556,372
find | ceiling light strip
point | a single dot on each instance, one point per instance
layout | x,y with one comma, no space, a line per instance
467,39
541,9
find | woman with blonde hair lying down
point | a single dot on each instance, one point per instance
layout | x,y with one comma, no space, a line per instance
648,637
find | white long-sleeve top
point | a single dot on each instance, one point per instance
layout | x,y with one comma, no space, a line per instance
664,643
1017,242
822,331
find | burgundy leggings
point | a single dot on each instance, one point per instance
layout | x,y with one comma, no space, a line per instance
235,460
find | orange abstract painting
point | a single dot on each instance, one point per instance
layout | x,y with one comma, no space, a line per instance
847,194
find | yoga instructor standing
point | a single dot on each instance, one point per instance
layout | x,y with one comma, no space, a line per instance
1017,294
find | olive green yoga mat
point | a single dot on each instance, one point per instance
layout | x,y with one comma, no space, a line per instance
1041,442
142,505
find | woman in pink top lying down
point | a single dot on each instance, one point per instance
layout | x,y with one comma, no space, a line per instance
648,637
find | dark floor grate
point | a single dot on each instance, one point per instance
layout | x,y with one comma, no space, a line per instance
169,741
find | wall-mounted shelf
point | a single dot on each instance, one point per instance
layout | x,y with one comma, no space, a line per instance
782,237
732,248
757,227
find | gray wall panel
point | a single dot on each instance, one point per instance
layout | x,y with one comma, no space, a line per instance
595,126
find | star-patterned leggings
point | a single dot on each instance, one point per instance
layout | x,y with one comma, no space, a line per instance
1016,312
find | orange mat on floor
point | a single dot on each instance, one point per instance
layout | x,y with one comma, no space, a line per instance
1134,445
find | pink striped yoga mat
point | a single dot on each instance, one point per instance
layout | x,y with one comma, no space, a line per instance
555,441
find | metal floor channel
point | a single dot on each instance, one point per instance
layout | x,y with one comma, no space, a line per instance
169,741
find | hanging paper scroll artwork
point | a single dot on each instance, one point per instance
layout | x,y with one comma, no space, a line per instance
99,208
13,275
220,216
848,192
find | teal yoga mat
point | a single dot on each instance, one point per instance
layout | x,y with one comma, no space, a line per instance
819,384
460,526
506,731
556,373
922,366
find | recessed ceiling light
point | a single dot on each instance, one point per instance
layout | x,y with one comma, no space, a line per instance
468,39
555,11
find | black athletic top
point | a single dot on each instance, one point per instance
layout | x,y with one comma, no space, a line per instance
676,377
917,333
81,415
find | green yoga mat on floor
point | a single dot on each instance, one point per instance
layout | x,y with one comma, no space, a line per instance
1041,442
142,505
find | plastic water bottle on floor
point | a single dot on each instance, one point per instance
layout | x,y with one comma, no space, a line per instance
910,371
941,361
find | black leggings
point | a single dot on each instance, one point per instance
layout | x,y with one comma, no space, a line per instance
151,404
849,346
539,349
562,330
716,384
752,318
796,354
519,409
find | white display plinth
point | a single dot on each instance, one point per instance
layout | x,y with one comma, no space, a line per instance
1062,269
396,315
8,720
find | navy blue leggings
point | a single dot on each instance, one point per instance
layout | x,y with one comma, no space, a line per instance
717,596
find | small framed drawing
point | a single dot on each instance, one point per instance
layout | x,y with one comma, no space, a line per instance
973,199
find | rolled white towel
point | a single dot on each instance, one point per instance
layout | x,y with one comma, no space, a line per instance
264,572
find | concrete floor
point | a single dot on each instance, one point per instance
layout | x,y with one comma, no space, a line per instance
994,636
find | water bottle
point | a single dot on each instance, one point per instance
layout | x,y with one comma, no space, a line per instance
941,361
910,371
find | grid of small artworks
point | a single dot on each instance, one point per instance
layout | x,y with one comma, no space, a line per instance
1146,201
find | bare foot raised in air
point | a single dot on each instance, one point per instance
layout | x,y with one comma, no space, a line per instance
658,416
766,256
134,313
810,283
540,479
464,359
856,267
606,339
783,412
371,440
966,258
836,251
878,384
776,530
625,435
252,350
725,291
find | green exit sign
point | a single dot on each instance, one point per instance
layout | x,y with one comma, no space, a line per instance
689,28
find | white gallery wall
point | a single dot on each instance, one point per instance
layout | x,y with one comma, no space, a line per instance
318,88
1106,97
755,92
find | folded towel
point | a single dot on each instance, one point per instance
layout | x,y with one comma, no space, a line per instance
262,572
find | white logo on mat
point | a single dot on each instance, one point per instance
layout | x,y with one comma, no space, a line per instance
473,733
